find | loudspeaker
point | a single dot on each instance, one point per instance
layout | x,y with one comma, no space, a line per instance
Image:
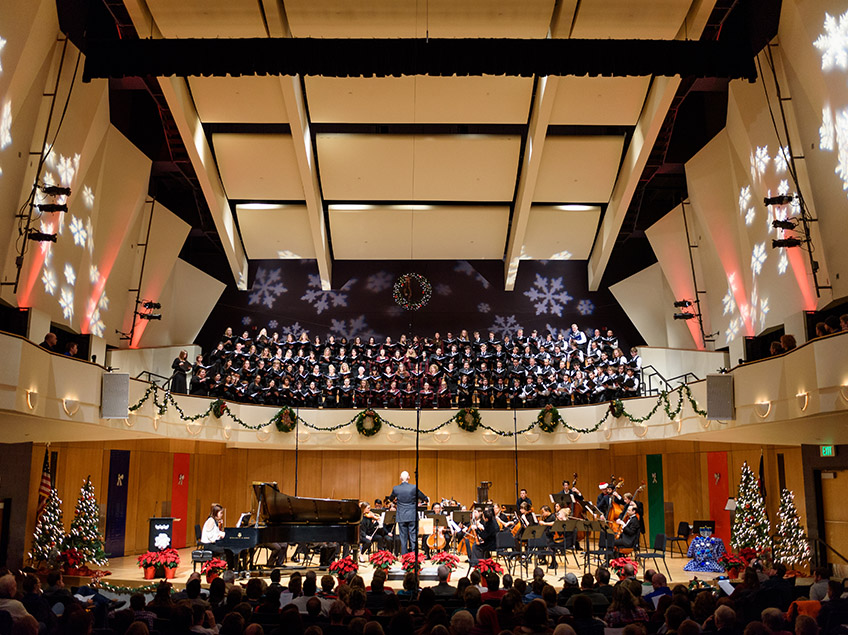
720,397
115,396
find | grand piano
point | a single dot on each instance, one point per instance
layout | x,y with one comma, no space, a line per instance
294,519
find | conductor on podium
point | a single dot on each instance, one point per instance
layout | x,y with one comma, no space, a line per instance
407,496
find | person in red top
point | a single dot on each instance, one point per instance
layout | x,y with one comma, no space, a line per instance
493,584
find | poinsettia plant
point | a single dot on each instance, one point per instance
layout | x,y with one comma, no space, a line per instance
748,554
618,565
382,559
215,565
148,559
344,567
732,561
409,562
484,565
169,558
71,559
450,560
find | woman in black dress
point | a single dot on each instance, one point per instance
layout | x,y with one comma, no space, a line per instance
181,366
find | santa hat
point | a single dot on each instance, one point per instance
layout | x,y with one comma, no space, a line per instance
603,485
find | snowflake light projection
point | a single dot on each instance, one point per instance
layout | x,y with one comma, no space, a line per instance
783,188
89,235
504,325
463,266
247,320
87,197
548,295
66,302
320,299
833,43
273,324
103,302
70,276
561,255
267,287
48,279
484,307
95,323
378,282
827,131
66,169
443,289
758,258
728,302
759,161
841,169
78,231
782,262
764,309
585,307
744,198
781,160
293,329
2,44
732,330
556,332
93,274
352,328
750,216
6,125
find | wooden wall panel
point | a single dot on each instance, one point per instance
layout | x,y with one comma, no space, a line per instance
378,473
497,467
340,475
458,475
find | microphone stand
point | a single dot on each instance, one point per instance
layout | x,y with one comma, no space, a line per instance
296,446
515,445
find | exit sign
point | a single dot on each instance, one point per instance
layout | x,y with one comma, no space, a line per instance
827,450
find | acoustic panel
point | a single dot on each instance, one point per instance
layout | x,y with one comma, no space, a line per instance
720,404
115,396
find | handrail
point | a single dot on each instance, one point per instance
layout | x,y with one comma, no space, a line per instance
820,541
150,378
647,379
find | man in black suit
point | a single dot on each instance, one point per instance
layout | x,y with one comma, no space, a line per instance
630,529
443,589
407,496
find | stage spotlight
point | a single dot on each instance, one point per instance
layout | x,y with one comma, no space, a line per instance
682,304
783,199
147,304
41,237
52,207
786,242
56,190
684,316
149,316
783,224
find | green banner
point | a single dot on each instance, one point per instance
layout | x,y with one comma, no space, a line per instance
656,497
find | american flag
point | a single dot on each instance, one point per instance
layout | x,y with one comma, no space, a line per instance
46,483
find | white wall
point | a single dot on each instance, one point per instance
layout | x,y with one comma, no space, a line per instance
154,360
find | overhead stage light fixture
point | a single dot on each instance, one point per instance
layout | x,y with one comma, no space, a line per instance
147,304
682,304
685,316
41,237
783,224
52,207
56,190
786,242
782,199
149,316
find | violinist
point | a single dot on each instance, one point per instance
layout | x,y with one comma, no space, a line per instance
487,531
547,519
370,528
526,515
503,519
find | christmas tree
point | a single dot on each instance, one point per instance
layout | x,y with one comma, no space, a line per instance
791,544
49,535
751,524
84,535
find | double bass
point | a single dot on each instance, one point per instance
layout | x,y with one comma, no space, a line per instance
616,509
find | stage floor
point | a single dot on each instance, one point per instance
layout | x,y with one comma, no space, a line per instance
126,573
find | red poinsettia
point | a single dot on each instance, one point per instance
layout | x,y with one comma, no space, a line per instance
484,565
344,567
215,565
748,553
618,565
732,561
148,559
382,559
169,558
408,561
450,560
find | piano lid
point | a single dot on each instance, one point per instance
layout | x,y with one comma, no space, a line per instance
281,508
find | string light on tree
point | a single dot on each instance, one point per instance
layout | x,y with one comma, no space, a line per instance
751,524
791,545
84,535
48,539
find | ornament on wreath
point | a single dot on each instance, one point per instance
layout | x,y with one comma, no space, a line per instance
219,407
548,419
468,419
412,291
285,419
368,423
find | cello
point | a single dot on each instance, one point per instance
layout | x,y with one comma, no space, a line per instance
577,509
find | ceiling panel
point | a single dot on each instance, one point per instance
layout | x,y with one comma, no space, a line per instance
629,19
560,232
578,169
599,100
419,99
208,18
406,167
269,232
238,99
403,232
436,18
258,166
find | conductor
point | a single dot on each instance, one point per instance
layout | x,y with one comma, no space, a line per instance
407,496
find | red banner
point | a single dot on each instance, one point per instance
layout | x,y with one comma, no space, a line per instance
719,486
179,498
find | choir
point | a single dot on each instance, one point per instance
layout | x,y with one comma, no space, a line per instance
520,371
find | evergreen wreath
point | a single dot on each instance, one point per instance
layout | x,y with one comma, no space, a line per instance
616,408
285,419
403,285
468,419
548,419
368,423
218,408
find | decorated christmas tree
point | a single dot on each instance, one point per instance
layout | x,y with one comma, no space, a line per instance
751,524
84,535
791,544
49,535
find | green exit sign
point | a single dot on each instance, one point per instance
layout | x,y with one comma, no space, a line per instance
827,450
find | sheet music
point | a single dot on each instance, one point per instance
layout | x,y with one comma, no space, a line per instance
244,518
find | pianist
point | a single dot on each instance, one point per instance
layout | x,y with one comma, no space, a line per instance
212,531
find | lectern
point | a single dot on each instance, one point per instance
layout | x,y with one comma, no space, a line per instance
160,534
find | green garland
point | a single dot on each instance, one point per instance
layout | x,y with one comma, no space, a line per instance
126,590
285,419
468,419
548,419
368,423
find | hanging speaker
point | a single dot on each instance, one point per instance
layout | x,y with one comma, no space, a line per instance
115,396
720,397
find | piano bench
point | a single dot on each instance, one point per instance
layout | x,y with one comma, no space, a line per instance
199,555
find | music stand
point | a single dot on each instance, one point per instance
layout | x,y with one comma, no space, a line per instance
390,518
462,517
509,509
564,500
533,532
